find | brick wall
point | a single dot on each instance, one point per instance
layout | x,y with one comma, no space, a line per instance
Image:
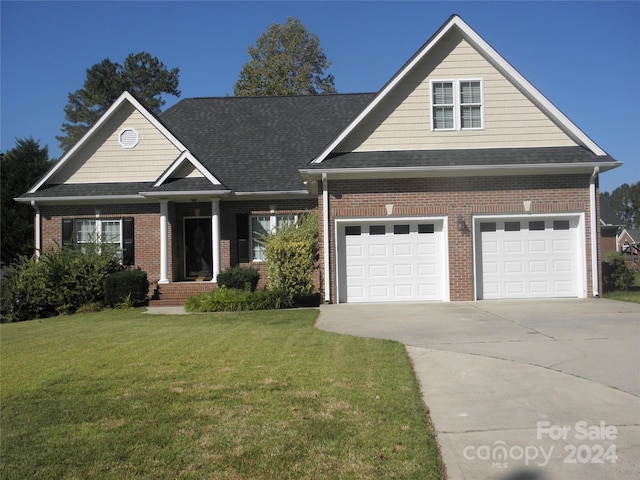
450,197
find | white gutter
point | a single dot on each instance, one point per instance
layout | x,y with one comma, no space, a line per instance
185,193
594,232
79,198
37,232
272,192
325,232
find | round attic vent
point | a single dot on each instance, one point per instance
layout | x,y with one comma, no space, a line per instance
128,138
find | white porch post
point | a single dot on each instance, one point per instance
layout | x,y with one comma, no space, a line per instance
164,241
325,238
215,238
37,232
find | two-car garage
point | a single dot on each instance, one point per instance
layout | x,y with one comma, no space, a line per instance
407,259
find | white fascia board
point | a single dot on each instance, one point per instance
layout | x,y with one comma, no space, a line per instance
186,156
125,97
500,62
458,170
81,199
272,192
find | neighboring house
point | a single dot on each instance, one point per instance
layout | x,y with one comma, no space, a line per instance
457,181
629,241
610,225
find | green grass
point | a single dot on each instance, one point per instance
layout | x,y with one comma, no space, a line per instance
631,295
255,395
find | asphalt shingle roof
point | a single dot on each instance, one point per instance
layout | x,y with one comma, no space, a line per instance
257,144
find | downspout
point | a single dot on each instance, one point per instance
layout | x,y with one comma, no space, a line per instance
325,232
595,278
37,230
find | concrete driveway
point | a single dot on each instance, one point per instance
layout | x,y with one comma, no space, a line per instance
520,390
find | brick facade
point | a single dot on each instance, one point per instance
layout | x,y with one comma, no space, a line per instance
450,197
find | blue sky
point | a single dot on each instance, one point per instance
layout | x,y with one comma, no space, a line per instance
583,56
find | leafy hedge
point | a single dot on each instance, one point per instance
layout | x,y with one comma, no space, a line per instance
59,282
126,285
235,300
291,257
242,278
615,274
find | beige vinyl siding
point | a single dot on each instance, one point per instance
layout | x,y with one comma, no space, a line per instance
103,160
187,170
402,121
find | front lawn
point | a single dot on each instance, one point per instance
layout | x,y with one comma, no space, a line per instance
256,395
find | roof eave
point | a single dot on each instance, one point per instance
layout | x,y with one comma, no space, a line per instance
457,170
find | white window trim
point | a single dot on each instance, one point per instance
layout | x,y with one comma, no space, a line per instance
273,226
457,104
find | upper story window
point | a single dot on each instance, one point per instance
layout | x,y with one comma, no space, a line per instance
456,105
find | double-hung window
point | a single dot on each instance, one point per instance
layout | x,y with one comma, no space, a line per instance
116,232
456,105
263,225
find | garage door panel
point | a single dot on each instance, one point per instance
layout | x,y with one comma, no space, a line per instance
401,260
532,257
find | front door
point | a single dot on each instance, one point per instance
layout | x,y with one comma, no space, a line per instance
198,261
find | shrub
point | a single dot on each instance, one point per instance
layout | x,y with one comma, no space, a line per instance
129,286
57,283
291,256
242,278
615,274
234,300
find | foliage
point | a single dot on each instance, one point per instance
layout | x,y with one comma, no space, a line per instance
251,395
20,168
615,274
291,256
142,75
243,278
126,287
625,200
59,282
286,60
235,300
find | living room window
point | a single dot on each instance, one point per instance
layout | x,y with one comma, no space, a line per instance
456,105
262,225
117,232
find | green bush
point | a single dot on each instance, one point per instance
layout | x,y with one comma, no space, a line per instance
242,278
615,274
291,256
234,300
126,285
57,283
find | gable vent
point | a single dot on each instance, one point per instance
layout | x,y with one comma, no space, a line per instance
128,138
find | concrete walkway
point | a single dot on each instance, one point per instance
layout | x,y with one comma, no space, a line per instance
536,390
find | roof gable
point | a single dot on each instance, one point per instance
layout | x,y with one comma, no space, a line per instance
455,28
127,144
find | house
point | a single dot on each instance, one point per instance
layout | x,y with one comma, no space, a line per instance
610,225
458,180
629,241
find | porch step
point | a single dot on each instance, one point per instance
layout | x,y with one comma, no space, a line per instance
169,294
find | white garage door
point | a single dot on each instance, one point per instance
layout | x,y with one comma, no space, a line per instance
391,261
528,257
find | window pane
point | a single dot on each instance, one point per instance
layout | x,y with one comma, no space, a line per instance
511,226
561,224
470,92
111,231
376,230
442,117
443,93
85,231
536,225
284,220
471,117
488,227
352,230
426,228
260,226
401,229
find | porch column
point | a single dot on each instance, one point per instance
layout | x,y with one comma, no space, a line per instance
215,238
164,241
37,230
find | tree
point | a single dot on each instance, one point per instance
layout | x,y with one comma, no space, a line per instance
20,168
286,60
625,200
142,75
